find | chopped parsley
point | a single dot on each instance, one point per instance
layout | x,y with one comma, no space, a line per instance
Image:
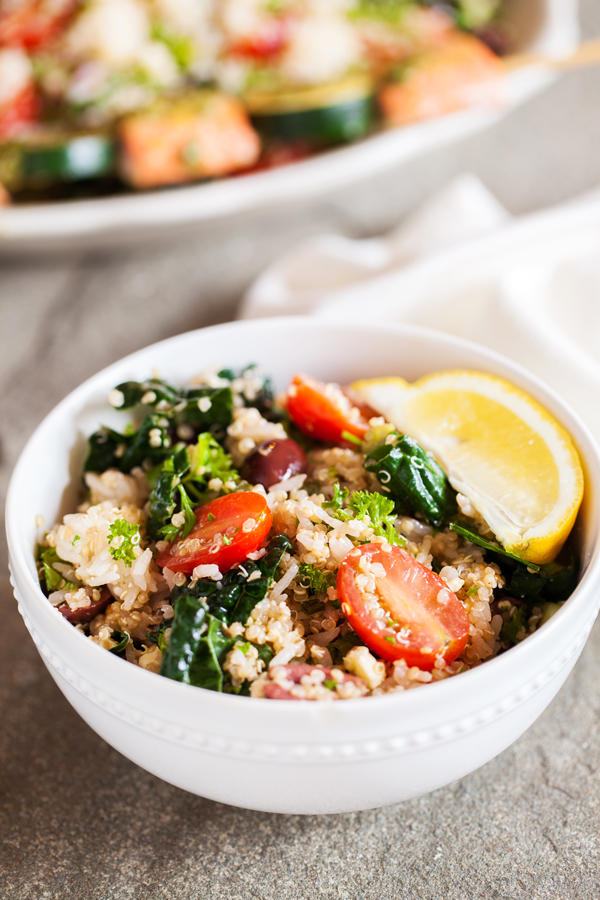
472,590
374,509
390,638
314,580
75,539
380,512
123,538
330,684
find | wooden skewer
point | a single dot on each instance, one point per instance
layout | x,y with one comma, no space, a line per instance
587,54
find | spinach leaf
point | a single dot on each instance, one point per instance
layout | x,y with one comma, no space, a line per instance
494,546
413,479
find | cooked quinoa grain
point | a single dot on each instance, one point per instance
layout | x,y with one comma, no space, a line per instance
288,589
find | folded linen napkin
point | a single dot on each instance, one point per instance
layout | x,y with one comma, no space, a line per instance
527,288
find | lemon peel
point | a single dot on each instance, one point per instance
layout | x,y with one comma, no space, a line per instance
499,447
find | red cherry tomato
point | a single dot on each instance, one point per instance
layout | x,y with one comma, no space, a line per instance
423,619
323,411
32,23
227,530
22,110
265,43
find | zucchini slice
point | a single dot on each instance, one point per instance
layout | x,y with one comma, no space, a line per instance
48,157
327,114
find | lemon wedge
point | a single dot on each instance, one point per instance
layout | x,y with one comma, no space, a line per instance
498,446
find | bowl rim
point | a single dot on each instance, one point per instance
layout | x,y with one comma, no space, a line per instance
549,634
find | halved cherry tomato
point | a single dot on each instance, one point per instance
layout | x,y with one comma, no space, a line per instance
423,619
227,530
22,110
322,410
32,23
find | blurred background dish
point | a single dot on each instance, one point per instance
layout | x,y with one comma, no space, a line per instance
191,93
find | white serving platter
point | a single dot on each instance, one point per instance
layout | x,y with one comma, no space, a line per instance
132,217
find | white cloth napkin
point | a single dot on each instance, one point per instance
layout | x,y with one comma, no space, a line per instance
528,288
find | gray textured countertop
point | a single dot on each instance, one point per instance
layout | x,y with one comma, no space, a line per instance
77,820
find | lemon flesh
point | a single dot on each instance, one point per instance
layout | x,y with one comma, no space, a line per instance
498,446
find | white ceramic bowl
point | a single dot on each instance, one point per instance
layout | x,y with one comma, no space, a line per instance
293,757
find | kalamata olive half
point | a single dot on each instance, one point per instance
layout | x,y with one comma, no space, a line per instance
274,461
87,613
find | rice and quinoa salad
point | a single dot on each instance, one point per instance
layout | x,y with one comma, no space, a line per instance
292,549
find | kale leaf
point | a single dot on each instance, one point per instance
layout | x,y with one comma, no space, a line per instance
511,629
106,449
152,393
342,645
198,645
552,582
163,496
413,479
260,395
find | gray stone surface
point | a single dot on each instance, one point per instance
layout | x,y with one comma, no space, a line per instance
77,820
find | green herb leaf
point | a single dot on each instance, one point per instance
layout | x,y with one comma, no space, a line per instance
208,460
337,503
314,580
380,512
123,538
330,684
